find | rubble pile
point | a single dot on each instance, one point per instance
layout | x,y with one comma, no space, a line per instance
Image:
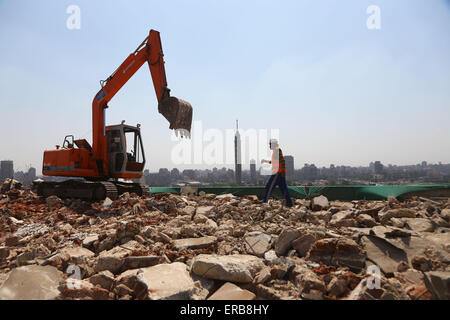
208,246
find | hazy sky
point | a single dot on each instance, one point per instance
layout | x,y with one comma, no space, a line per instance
338,92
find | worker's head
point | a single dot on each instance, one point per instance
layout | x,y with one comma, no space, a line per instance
273,144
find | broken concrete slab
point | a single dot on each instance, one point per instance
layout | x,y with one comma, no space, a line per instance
365,220
438,282
78,255
343,219
285,239
194,243
165,282
32,283
135,262
304,243
338,252
396,213
257,243
104,279
385,255
205,210
419,224
233,268
113,260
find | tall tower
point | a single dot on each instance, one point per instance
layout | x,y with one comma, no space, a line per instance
237,155
253,172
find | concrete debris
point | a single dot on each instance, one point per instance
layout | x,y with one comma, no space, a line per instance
438,283
194,243
165,282
230,291
257,243
201,246
233,268
32,283
284,241
319,203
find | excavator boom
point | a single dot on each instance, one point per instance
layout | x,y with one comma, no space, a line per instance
178,112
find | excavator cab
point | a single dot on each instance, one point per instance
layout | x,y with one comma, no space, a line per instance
126,157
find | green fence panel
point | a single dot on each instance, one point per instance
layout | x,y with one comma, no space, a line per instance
344,193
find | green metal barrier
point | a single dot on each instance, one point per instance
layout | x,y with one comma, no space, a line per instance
344,193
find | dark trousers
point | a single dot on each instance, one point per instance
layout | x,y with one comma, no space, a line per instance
277,180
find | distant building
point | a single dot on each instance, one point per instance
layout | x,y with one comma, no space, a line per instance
289,166
252,171
378,167
32,174
6,170
237,156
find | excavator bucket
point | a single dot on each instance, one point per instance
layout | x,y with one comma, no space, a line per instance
179,114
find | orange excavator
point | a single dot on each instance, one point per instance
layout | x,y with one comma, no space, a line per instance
117,151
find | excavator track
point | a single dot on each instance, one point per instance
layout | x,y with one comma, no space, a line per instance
110,190
139,189
90,190
79,189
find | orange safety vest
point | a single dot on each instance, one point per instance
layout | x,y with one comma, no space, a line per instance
278,163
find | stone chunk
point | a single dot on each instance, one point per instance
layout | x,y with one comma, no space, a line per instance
194,243
419,224
78,255
365,220
284,241
342,219
385,255
319,203
134,262
233,268
104,279
32,283
230,291
204,210
303,244
4,253
53,201
445,214
338,252
306,280
89,240
257,243
438,282
165,282
34,229
263,276
107,203
114,259
396,213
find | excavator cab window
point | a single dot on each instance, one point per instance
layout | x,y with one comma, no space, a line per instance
134,150
68,142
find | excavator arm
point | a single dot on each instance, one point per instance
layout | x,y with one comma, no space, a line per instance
178,112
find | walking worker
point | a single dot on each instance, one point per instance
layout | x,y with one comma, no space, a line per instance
278,176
